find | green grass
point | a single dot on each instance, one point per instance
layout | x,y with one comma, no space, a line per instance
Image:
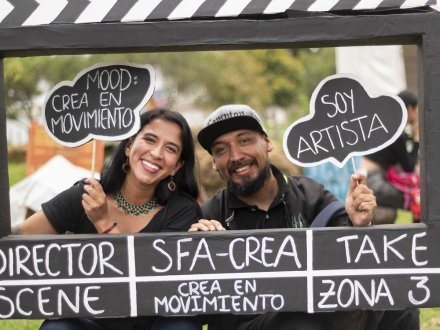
403,217
20,324
429,317
17,172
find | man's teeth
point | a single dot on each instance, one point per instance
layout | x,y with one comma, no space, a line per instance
241,169
154,167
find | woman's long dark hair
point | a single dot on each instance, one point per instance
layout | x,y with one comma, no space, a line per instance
185,179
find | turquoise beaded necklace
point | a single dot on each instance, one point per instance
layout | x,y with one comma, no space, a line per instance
127,208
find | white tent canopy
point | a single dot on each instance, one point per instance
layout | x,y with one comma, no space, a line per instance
381,68
56,175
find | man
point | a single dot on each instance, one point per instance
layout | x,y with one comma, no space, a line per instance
259,196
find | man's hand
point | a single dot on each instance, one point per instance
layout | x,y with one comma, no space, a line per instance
360,202
206,225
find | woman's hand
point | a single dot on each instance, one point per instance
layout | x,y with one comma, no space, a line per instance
95,204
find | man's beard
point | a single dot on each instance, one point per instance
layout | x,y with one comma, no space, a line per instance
249,186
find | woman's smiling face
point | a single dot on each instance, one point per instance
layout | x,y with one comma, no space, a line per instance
155,152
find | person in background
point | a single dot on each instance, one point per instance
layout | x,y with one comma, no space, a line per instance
150,186
404,152
259,196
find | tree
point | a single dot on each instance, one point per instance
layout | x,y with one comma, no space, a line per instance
25,79
259,78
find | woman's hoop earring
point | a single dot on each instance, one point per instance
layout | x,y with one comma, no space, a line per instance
171,185
126,166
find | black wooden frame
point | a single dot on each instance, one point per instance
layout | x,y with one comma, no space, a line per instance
421,29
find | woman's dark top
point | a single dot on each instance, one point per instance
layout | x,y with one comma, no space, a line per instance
397,153
66,213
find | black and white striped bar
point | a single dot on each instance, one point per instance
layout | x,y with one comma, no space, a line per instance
387,267
43,12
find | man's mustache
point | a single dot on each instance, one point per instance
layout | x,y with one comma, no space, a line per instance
239,164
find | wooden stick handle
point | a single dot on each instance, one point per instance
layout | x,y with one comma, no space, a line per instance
93,158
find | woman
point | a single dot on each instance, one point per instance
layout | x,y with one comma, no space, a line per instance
149,186
387,196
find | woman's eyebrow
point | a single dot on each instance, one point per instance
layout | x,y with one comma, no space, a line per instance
156,136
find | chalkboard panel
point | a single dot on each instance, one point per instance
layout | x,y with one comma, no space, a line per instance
344,120
383,267
103,102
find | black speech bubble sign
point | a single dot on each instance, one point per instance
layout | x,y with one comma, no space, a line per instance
102,102
344,121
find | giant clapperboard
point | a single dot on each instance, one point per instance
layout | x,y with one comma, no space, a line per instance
219,272
240,272
383,267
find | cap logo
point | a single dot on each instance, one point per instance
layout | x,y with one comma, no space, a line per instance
226,116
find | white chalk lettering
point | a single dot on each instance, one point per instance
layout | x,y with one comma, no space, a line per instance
18,304
20,261
293,253
113,79
387,246
11,304
249,253
62,295
363,250
105,99
416,248
231,253
94,259
40,260
347,132
207,255
358,287
351,296
345,239
249,287
353,291
4,261
326,295
339,100
195,297
351,131
300,150
383,285
37,260
48,258
381,125
265,250
421,285
180,255
103,118
42,301
316,142
87,299
69,102
103,260
170,264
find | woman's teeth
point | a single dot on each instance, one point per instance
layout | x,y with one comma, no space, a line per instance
154,167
